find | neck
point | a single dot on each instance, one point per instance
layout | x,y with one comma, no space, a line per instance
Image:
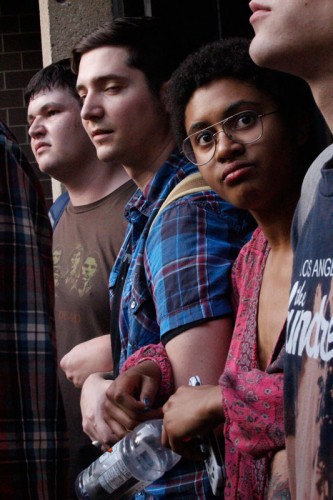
145,167
322,93
275,222
96,182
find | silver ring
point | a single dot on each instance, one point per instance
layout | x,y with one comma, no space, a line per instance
97,444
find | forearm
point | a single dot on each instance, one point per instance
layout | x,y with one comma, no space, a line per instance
201,351
279,477
92,356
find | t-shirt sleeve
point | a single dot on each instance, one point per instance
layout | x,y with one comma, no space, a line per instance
308,193
189,255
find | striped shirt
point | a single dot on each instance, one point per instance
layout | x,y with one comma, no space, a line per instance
32,427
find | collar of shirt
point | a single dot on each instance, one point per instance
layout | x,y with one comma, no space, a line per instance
151,198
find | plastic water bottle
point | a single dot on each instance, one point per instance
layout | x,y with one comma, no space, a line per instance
129,466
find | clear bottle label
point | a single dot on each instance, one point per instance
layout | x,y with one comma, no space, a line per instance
116,479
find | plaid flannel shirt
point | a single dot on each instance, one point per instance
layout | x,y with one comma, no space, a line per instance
33,444
179,274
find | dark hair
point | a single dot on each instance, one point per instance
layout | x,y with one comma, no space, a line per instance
153,46
58,74
230,59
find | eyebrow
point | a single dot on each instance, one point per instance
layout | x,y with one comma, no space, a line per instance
98,80
229,111
47,105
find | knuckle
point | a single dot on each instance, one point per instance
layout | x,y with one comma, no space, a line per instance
85,426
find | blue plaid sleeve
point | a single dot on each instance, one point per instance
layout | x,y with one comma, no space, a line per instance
189,256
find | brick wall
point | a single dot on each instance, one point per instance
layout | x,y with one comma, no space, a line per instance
20,58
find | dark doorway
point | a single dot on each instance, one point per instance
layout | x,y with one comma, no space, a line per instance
200,21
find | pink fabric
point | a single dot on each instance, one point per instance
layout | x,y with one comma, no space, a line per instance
158,355
252,399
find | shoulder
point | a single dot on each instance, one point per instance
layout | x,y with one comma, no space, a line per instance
313,175
250,255
58,208
308,192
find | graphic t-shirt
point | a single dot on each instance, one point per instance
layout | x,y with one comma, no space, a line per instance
309,346
85,244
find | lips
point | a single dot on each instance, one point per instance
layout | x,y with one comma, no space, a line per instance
234,171
100,133
41,145
258,10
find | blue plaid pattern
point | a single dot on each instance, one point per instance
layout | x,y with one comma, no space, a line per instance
180,273
33,447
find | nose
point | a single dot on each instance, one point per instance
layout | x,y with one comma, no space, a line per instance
36,128
225,148
92,107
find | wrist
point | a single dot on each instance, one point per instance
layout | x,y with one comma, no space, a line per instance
213,405
149,368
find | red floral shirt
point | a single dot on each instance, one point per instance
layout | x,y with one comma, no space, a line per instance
252,399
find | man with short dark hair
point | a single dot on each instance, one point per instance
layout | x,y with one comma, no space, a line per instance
177,286
88,235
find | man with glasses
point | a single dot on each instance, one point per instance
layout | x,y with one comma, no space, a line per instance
177,287
297,36
245,127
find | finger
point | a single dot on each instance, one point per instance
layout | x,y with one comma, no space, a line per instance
128,403
118,430
165,438
149,391
97,431
117,419
122,394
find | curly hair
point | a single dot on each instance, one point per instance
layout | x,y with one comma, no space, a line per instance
230,59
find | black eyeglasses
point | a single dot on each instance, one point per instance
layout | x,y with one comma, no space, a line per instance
245,127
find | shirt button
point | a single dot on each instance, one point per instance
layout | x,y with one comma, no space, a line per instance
133,304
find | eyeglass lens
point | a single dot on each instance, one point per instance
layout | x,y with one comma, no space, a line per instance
243,128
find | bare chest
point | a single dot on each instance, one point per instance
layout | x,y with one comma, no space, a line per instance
273,305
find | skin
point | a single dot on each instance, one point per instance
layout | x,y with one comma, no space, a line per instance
257,176
296,36
81,361
124,120
54,117
127,123
242,172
